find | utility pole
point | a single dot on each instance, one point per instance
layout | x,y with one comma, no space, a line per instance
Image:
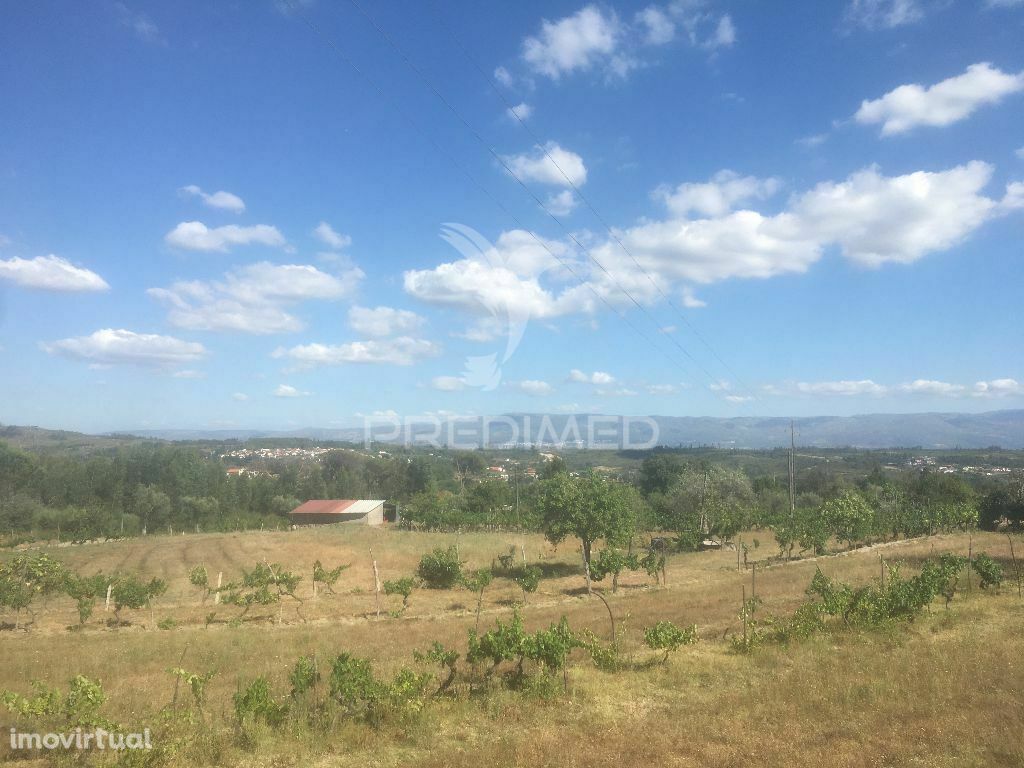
792,469
515,466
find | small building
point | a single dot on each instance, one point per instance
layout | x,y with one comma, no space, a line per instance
327,511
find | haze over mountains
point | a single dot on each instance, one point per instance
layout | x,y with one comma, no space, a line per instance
926,430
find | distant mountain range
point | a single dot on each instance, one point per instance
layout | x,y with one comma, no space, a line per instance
905,430
924,430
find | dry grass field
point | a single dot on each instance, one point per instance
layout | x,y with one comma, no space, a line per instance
945,690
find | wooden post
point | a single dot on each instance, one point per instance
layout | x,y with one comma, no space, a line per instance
739,546
376,582
1016,569
881,562
970,560
314,583
216,598
743,613
753,580
106,607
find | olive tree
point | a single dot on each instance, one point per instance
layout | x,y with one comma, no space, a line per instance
589,508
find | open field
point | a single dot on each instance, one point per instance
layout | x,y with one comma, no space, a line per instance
944,691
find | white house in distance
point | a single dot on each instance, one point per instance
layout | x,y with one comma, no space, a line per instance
327,511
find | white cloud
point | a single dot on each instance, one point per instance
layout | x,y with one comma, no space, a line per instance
724,35
737,399
949,101
841,388
501,280
814,140
999,388
720,386
661,389
1020,152
121,347
883,14
51,273
196,236
287,390
690,300
520,111
326,234
593,39
876,219
239,397
1004,3
915,388
383,321
657,25
715,197
872,219
189,374
221,200
1014,197
254,298
401,350
448,383
574,43
534,388
597,377
143,27
562,203
620,392
503,76
550,164
931,387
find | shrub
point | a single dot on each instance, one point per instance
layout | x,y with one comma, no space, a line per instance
440,569
265,584
130,592
85,590
403,587
446,658
257,703
328,578
78,708
527,579
196,684
989,571
352,684
304,675
666,636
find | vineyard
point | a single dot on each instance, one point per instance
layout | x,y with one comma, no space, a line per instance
481,645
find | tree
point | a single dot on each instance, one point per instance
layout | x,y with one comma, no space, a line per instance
152,505
27,577
556,466
588,508
128,591
848,517
658,473
440,569
715,501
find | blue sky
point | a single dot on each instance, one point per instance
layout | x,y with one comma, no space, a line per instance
209,218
